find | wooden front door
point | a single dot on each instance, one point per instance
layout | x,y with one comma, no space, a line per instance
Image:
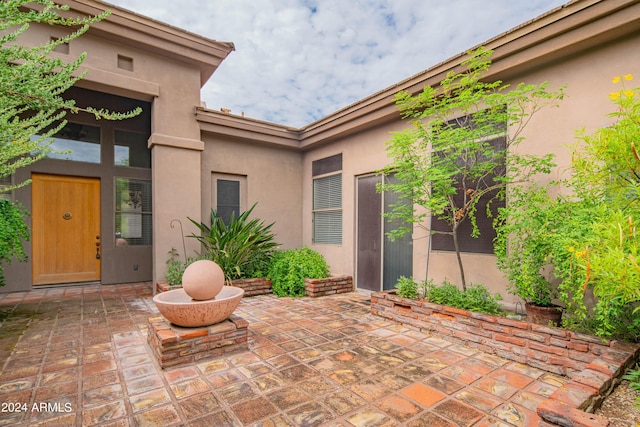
66,229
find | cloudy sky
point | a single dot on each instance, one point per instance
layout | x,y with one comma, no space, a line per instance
297,61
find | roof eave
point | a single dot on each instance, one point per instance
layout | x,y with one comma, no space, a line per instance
568,29
154,36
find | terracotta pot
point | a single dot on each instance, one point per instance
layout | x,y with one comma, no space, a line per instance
543,315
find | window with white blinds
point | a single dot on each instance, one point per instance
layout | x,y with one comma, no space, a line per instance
327,209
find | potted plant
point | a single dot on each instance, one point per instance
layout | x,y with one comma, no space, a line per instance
524,247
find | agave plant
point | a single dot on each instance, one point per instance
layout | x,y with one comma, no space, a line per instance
242,248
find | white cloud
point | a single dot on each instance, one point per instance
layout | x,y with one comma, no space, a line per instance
299,60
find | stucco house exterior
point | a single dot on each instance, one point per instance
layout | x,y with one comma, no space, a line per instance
180,159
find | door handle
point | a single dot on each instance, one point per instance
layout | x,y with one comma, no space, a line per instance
97,250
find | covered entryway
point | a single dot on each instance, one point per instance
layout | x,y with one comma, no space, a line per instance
66,229
379,261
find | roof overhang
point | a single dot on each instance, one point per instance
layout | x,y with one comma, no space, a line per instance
132,29
566,30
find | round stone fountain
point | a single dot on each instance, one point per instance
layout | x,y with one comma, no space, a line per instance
203,299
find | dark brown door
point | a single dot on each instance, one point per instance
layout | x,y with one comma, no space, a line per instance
369,234
66,229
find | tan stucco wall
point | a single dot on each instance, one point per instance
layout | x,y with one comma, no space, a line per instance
273,180
362,153
586,105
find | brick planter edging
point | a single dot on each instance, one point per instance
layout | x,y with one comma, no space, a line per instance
328,286
252,287
261,286
594,365
173,345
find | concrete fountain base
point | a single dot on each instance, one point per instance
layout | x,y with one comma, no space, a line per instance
175,346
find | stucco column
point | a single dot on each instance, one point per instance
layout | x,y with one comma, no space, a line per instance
176,195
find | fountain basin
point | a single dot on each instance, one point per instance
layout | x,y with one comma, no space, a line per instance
181,310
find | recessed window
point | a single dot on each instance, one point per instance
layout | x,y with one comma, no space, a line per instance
125,63
133,215
228,194
327,209
77,142
131,150
228,199
327,200
494,145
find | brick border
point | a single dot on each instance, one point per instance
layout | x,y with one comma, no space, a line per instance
328,286
175,346
594,365
252,287
260,286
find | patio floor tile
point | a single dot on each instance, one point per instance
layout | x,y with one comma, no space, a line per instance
461,414
324,361
398,407
425,396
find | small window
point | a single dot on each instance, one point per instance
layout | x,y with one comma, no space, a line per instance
131,150
327,165
228,199
77,142
327,209
133,216
60,47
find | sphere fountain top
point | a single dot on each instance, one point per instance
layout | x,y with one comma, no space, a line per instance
203,280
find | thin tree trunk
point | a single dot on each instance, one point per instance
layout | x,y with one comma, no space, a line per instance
457,248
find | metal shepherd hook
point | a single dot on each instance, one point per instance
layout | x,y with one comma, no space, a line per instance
184,247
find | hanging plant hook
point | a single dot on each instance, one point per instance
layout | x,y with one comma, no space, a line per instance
184,247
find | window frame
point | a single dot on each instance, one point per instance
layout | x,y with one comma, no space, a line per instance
318,212
483,244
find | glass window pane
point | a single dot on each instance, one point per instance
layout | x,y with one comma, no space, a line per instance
77,142
131,150
133,217
228,195
327,209
327,227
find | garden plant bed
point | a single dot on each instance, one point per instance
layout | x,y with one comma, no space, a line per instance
594,365
260,286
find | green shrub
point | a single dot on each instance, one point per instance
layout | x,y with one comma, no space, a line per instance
634,377
176,267
242,248
289,269
13,230
475,298
407,288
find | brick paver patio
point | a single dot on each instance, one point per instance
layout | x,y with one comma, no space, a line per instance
78,356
